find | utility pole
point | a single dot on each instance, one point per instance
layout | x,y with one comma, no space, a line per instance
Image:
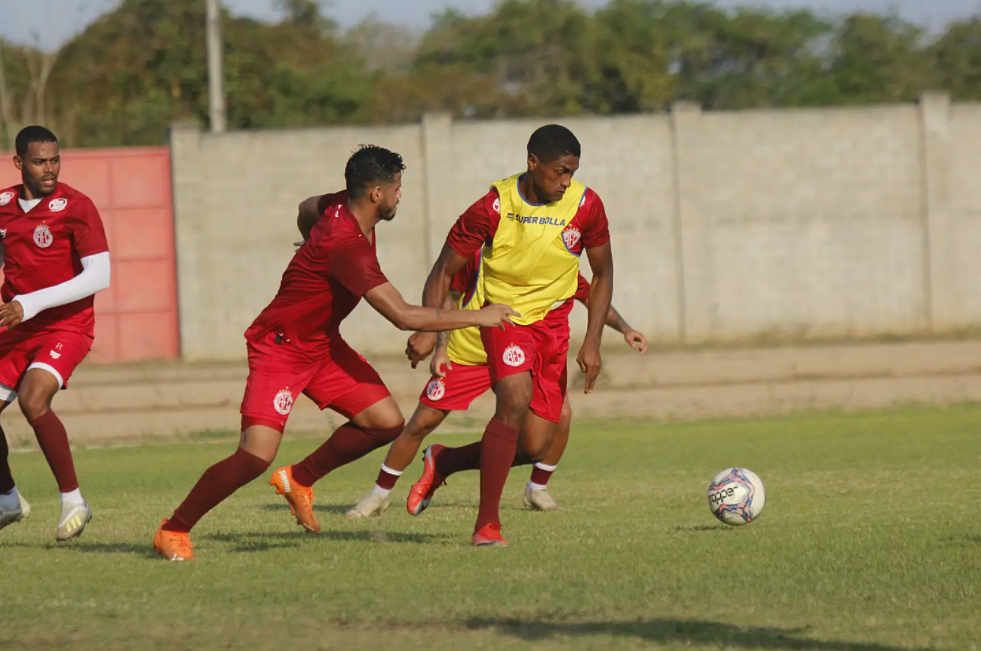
216,67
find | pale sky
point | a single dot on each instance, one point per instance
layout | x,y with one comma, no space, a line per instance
49,22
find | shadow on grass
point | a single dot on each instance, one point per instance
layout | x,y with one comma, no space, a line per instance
142,549
702,527
688,632
250,540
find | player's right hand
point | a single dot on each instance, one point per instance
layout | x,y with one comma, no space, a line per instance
636,340
441,363
496,315
11,314
420,346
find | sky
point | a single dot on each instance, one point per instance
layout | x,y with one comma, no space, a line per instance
50,22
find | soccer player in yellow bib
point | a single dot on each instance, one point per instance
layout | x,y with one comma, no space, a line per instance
531,228
459,376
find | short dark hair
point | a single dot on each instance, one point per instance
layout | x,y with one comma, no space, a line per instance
553,141
370,165
33,133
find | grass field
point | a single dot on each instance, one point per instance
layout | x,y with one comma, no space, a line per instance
871,541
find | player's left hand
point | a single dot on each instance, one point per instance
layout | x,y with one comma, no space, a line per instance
420,346
636,340
11,314
590,361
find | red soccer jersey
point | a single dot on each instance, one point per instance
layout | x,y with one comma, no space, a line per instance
478,225
323,283
44,247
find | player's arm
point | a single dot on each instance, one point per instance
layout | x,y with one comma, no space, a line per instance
634,338
307,215
600,296
388,302
441,358
93,279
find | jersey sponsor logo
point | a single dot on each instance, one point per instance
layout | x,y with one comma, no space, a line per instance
42,236
571,237
436,389
497,205
6,198
541,221
514,356
57,205
283,402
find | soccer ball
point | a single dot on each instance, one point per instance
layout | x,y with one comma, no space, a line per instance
736,496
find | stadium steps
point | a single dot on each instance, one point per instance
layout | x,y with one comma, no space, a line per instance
131,402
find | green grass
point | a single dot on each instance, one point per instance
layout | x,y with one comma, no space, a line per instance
871,541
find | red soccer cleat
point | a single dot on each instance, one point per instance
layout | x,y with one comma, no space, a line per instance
421,493
489,535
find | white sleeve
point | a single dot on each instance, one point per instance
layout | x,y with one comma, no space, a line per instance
93,279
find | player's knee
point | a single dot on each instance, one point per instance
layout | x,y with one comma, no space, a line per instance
33,403
383,435
534,450
256,464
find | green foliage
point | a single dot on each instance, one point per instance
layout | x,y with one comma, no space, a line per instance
141,67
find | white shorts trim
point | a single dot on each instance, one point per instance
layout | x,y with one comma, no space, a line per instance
51,370
7,394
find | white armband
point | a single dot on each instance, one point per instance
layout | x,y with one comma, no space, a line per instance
93,279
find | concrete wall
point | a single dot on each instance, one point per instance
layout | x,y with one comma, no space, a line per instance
726,226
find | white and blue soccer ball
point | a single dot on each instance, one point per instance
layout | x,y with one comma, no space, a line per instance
736,496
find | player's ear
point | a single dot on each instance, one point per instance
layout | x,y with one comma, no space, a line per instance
532,162
18,163
376,194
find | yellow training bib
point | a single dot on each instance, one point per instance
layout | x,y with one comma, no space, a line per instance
528,265
464,345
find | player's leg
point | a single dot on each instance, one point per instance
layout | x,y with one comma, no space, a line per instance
258,445
34,396
367,430
423,421
536,492
13,506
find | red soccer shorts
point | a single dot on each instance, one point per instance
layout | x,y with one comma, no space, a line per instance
25,347
541,348
279,373
458,389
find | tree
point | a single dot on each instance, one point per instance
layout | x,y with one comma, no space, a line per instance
957,60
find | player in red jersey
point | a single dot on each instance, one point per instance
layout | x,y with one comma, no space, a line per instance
532,227
55,259
295,346
459,375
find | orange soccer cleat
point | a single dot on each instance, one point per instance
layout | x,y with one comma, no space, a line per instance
489,535
299,497
421,493
173,545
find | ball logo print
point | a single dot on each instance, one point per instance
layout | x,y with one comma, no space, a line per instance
283,402
571,237
42,236
436,389
5,198
514,356
57,205
736,496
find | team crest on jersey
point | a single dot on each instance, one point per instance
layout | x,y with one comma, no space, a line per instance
497,205
3,233
42,236
436,389
57,205
6,197
514,356
571,237
283,402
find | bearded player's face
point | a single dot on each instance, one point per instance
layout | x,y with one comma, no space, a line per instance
40,168
389,197
553,178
